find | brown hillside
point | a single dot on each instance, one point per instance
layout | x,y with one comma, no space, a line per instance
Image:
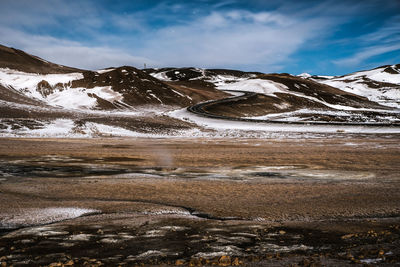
19,60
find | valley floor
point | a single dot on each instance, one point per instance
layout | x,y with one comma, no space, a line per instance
332,199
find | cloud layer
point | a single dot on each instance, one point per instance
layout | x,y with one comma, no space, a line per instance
384,40
204,33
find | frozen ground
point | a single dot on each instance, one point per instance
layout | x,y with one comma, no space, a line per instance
252,202
250,127
24,217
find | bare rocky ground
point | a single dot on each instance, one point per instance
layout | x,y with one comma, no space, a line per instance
328,201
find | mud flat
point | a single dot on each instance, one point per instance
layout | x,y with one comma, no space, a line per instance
328,200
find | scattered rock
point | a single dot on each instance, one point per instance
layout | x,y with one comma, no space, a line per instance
224,261
44,88
348,236
195,262
180,262
236,262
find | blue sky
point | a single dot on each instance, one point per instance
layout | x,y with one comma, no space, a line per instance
320,37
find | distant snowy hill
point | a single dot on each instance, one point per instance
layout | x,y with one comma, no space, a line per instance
282,97
55,85
40,98
381,85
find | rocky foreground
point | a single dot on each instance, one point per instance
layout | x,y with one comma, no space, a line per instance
124,202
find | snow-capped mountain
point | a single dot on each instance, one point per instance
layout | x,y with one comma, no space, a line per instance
122,87
60,86
40,98
381,85
281,97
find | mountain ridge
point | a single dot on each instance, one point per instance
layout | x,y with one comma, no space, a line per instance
38,96
19,60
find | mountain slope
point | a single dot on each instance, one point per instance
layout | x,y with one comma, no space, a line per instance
283,97
19,60
40,98
46,83
124,87
381,85
192,74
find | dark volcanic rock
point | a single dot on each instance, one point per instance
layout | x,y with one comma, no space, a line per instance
44,88
193,74
136,87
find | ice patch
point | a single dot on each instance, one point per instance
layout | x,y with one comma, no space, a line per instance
61,128
277,248
370,261
154,233
36,216
220,251
150,253
174,228
243,129
80,237
171,211
109,240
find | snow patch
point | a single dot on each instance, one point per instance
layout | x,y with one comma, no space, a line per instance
62,96
241,128
304,75
363,83
36,216
255,85
68,129
104,71
162,76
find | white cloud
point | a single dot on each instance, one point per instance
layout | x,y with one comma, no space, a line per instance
204,33
233,38
387,37
366,53
70,53
218,39
90,57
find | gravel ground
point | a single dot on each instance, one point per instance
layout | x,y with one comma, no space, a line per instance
328,200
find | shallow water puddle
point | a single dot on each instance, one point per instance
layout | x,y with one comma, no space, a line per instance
69,167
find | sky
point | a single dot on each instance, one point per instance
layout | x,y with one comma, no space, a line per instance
325,37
